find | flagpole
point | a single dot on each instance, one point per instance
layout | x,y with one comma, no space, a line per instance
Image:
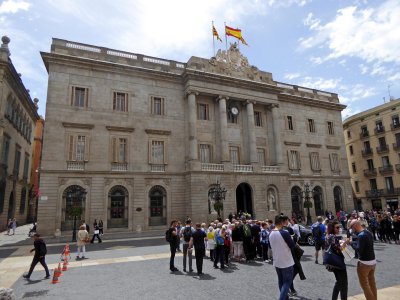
226,38
212,30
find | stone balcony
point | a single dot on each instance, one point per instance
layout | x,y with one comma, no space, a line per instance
157,168
119,167
366,152
212,167
75,165
243,168
270,169
370,172
386,169
382,148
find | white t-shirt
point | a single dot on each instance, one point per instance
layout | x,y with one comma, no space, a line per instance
280,250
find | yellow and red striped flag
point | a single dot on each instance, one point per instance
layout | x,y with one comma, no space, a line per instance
215,33
237,33
243,41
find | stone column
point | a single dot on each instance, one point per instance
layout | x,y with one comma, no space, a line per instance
223,124
193,153
277,137
251,132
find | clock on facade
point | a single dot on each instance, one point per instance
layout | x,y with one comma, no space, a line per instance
234,111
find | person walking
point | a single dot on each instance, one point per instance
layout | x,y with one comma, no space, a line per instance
14,225
264,241
282,246
366,260
82,239
211,242
9,226
333,242
318,230
96,233
186,235
173,240
219,246
100,227
40,254
197,241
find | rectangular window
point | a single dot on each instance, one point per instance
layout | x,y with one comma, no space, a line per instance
385,161
157,106
382,142
205,153
258,119
157,152
78,148
294,160
26,166
351,150
311,125
234,155
120,101
5,150
370,164
289,121
379,126
314,161
353,167
17,160
364,131
397,136
348,134
119,150
389,183
79,96
335,166
395,121
261,156
367,146
372,184
330,128
202,112
357,186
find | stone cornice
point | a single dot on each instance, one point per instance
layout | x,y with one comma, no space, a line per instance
288,143
77,125
314,145
332,147
158,131
310,102
122,129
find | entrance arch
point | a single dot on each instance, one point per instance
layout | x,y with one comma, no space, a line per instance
74,198
338,196
318,201
157,206
244,199
118,210
296,201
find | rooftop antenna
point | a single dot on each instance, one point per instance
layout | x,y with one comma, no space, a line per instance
384,99
389,85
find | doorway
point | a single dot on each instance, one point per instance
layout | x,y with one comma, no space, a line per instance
244,199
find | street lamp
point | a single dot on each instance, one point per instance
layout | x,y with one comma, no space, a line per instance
307,194
217,194
78,194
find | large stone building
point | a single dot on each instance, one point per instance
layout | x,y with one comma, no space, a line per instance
18,115
372,141
137,141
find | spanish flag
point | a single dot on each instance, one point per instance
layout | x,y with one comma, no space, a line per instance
237,33
215,33
243,41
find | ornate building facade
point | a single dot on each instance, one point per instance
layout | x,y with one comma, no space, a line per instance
138,141
18,115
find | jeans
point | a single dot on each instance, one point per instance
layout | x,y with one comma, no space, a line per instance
219,255
285,279
187,253
264,251
366,276
172,247
34,263
199,254
341,284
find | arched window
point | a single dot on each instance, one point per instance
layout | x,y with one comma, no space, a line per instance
23,201
338,197
157,209
296,201
2,193
118,207
318,201
74,198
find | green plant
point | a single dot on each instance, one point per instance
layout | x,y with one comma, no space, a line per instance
307,204
76,211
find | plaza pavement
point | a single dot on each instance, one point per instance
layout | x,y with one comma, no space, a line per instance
137,267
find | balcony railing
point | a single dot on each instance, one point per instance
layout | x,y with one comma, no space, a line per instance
380,129
366,152
270,169
394,126
119,167
212,167
370,172
243,168
157,168
364,134
76,165
382,148
386,169
396,146
376,193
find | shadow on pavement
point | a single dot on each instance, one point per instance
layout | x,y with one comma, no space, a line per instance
205,277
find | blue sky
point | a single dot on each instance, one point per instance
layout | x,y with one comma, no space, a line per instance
348,47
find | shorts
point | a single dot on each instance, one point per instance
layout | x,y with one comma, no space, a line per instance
238,249
319,245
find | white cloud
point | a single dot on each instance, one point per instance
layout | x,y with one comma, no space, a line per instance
320,83
394,77
291,76
12,6
370,34
349,111
363,68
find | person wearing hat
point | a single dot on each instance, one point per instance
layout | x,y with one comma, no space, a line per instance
366,260
40,253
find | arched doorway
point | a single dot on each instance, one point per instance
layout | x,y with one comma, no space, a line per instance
2,194
158,204
11,203
118,199
318,201
338,197
244,199
74,198
296,201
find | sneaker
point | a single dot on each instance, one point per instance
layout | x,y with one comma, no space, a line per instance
184,270
191,270
174,269
47,277
293,293
216,267
25,276
316,261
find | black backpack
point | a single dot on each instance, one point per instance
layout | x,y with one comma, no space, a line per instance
316,231
187,234
168,237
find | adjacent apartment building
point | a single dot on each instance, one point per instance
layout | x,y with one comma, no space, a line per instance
18,115
373,149
137,141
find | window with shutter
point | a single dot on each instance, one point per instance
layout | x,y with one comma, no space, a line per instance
314,161
205,153
234,155
334,158
294,160
261,156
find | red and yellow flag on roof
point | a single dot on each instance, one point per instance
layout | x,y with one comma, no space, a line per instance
215,33
237,33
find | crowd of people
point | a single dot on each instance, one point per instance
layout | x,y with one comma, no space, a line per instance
241,239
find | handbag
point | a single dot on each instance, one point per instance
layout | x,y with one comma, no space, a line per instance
333,261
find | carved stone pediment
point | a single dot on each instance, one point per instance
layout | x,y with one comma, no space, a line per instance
233,59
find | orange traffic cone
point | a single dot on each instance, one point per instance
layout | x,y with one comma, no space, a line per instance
55,277
65,268
59,269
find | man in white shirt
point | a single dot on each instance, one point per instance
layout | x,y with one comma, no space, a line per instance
282,245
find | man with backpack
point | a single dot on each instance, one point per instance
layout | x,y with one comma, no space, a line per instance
186,235
318,231
39,257
173,239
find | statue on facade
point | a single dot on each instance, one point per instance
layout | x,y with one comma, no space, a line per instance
232,57
271,200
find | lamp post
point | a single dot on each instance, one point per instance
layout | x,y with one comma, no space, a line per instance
307,195
217,194
78,194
